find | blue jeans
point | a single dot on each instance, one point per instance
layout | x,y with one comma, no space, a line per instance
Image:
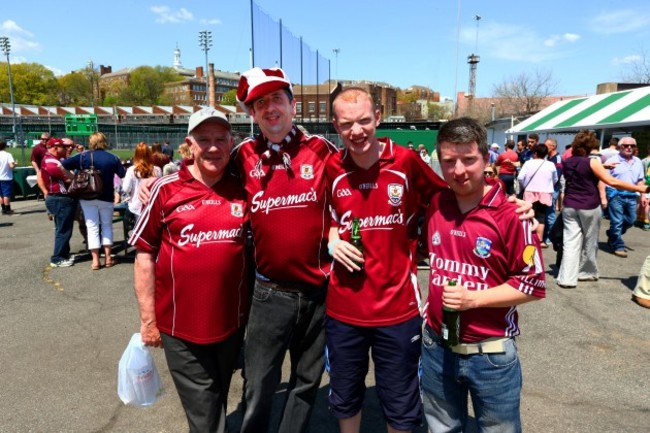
63,209
281,321
622,214
550,217
493,381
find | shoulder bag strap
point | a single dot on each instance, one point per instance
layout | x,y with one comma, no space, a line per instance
531,178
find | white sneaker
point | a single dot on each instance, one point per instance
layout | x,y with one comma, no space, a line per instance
62,263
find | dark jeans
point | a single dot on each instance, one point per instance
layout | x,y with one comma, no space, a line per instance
63,209
622,214
281,321
509,182
202,374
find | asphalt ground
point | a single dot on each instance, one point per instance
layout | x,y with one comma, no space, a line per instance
585,352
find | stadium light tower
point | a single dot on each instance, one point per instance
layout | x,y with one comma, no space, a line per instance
473,60
205,42
6,49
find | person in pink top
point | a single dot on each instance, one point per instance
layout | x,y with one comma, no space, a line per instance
537,178
474,237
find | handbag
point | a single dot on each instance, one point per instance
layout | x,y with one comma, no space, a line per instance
138,381
87,182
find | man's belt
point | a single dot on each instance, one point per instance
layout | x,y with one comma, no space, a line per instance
489,345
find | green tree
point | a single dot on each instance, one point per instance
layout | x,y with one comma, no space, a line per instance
75,89
230,97
33,84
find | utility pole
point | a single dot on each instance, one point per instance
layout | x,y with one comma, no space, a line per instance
336,63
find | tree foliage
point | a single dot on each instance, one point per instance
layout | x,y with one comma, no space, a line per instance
75,89
33,84
230,97
524,93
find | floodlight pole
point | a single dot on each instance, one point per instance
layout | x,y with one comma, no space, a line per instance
6,49
205,42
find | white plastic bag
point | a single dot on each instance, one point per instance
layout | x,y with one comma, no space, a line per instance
138,382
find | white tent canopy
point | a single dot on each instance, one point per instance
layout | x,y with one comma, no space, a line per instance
619,110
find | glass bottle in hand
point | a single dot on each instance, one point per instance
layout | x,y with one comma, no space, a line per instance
355,240
450,327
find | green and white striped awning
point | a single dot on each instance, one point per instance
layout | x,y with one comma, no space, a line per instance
619,110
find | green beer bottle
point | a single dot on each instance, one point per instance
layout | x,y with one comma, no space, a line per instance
450,327
355,239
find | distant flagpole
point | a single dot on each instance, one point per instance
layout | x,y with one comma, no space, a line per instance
252,38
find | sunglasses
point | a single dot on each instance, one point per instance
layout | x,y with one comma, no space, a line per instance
488,173
628,146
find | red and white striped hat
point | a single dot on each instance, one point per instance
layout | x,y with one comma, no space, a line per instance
257,82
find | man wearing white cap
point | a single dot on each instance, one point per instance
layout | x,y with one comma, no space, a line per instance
189,304
493,153
283,173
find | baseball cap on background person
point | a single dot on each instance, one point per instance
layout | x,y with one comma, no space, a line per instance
52,142
494,146
204,114
257,82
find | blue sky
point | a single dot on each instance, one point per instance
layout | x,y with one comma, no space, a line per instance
403,43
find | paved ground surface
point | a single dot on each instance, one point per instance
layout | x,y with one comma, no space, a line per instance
585,352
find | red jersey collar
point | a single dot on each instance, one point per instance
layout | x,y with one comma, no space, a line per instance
388,154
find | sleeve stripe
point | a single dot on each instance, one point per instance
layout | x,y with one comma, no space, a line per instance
146,213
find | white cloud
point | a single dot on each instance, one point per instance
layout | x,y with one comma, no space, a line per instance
20,39
553,40
213,21
517,43
620,21
627,60
166,15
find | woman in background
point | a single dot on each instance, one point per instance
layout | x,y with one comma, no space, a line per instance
98,212
142,168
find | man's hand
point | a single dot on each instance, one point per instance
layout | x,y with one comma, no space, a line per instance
150,335
456,297
144,193
347,254
524,208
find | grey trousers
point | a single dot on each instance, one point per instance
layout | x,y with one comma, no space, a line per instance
581,230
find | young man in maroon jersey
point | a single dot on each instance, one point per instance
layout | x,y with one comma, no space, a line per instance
282,170
189,304
474,237
385,186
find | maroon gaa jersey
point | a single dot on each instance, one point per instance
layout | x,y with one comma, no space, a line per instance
387,198
288,207
197,235
486,247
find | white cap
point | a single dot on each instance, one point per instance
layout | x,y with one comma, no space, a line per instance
494,146
204,114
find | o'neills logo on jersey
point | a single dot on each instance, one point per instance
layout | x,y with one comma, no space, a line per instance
395,193
378,222
258,203
189,237
370,185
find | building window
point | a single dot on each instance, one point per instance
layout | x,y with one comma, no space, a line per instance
299,108
322,108
312,107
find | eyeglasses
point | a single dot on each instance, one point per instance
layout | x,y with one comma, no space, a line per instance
488,173
628,146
